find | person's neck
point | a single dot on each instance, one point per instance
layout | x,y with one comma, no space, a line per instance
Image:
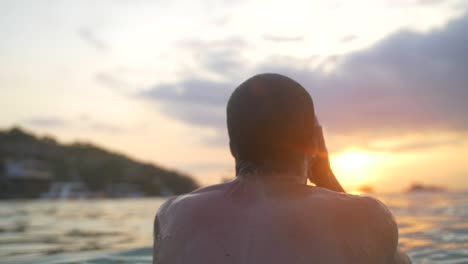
275,177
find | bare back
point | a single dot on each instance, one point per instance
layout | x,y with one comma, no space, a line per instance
257,221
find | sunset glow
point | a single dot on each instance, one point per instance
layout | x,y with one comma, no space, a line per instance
127,76
356,167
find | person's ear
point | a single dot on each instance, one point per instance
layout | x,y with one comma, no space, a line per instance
232,149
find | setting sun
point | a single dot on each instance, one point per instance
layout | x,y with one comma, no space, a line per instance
355,167
352,161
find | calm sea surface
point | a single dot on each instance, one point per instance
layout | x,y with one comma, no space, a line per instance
433,229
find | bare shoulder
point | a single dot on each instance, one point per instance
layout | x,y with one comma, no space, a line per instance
381,227
372,208
174,201
211,188
359,208
367,224
165,206
371,217
364,213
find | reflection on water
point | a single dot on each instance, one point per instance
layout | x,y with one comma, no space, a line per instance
29,229
433,226
433,229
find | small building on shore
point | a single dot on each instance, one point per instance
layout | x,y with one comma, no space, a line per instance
24,178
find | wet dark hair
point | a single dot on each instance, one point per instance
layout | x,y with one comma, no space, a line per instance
270,120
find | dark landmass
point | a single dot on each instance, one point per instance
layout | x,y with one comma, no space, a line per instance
418,187
29,165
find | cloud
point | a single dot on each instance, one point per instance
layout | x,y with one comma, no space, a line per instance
431,2
105,127
223,57
348,38
194,92
46,122
112,81
89,36
417,145
81,122
407,83
280,39
199,102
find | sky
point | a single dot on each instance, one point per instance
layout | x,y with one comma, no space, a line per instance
151,79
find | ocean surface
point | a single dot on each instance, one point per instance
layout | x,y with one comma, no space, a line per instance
433,229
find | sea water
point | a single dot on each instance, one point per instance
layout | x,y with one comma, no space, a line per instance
433,229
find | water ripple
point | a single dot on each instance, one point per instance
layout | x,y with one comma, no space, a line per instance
433,229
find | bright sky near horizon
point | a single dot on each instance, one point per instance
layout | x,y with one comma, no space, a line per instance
151,79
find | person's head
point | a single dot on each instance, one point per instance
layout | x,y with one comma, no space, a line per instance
271,125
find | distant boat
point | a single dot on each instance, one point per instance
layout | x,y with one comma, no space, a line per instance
418,187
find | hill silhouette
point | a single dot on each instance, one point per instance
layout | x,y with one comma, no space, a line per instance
96,167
